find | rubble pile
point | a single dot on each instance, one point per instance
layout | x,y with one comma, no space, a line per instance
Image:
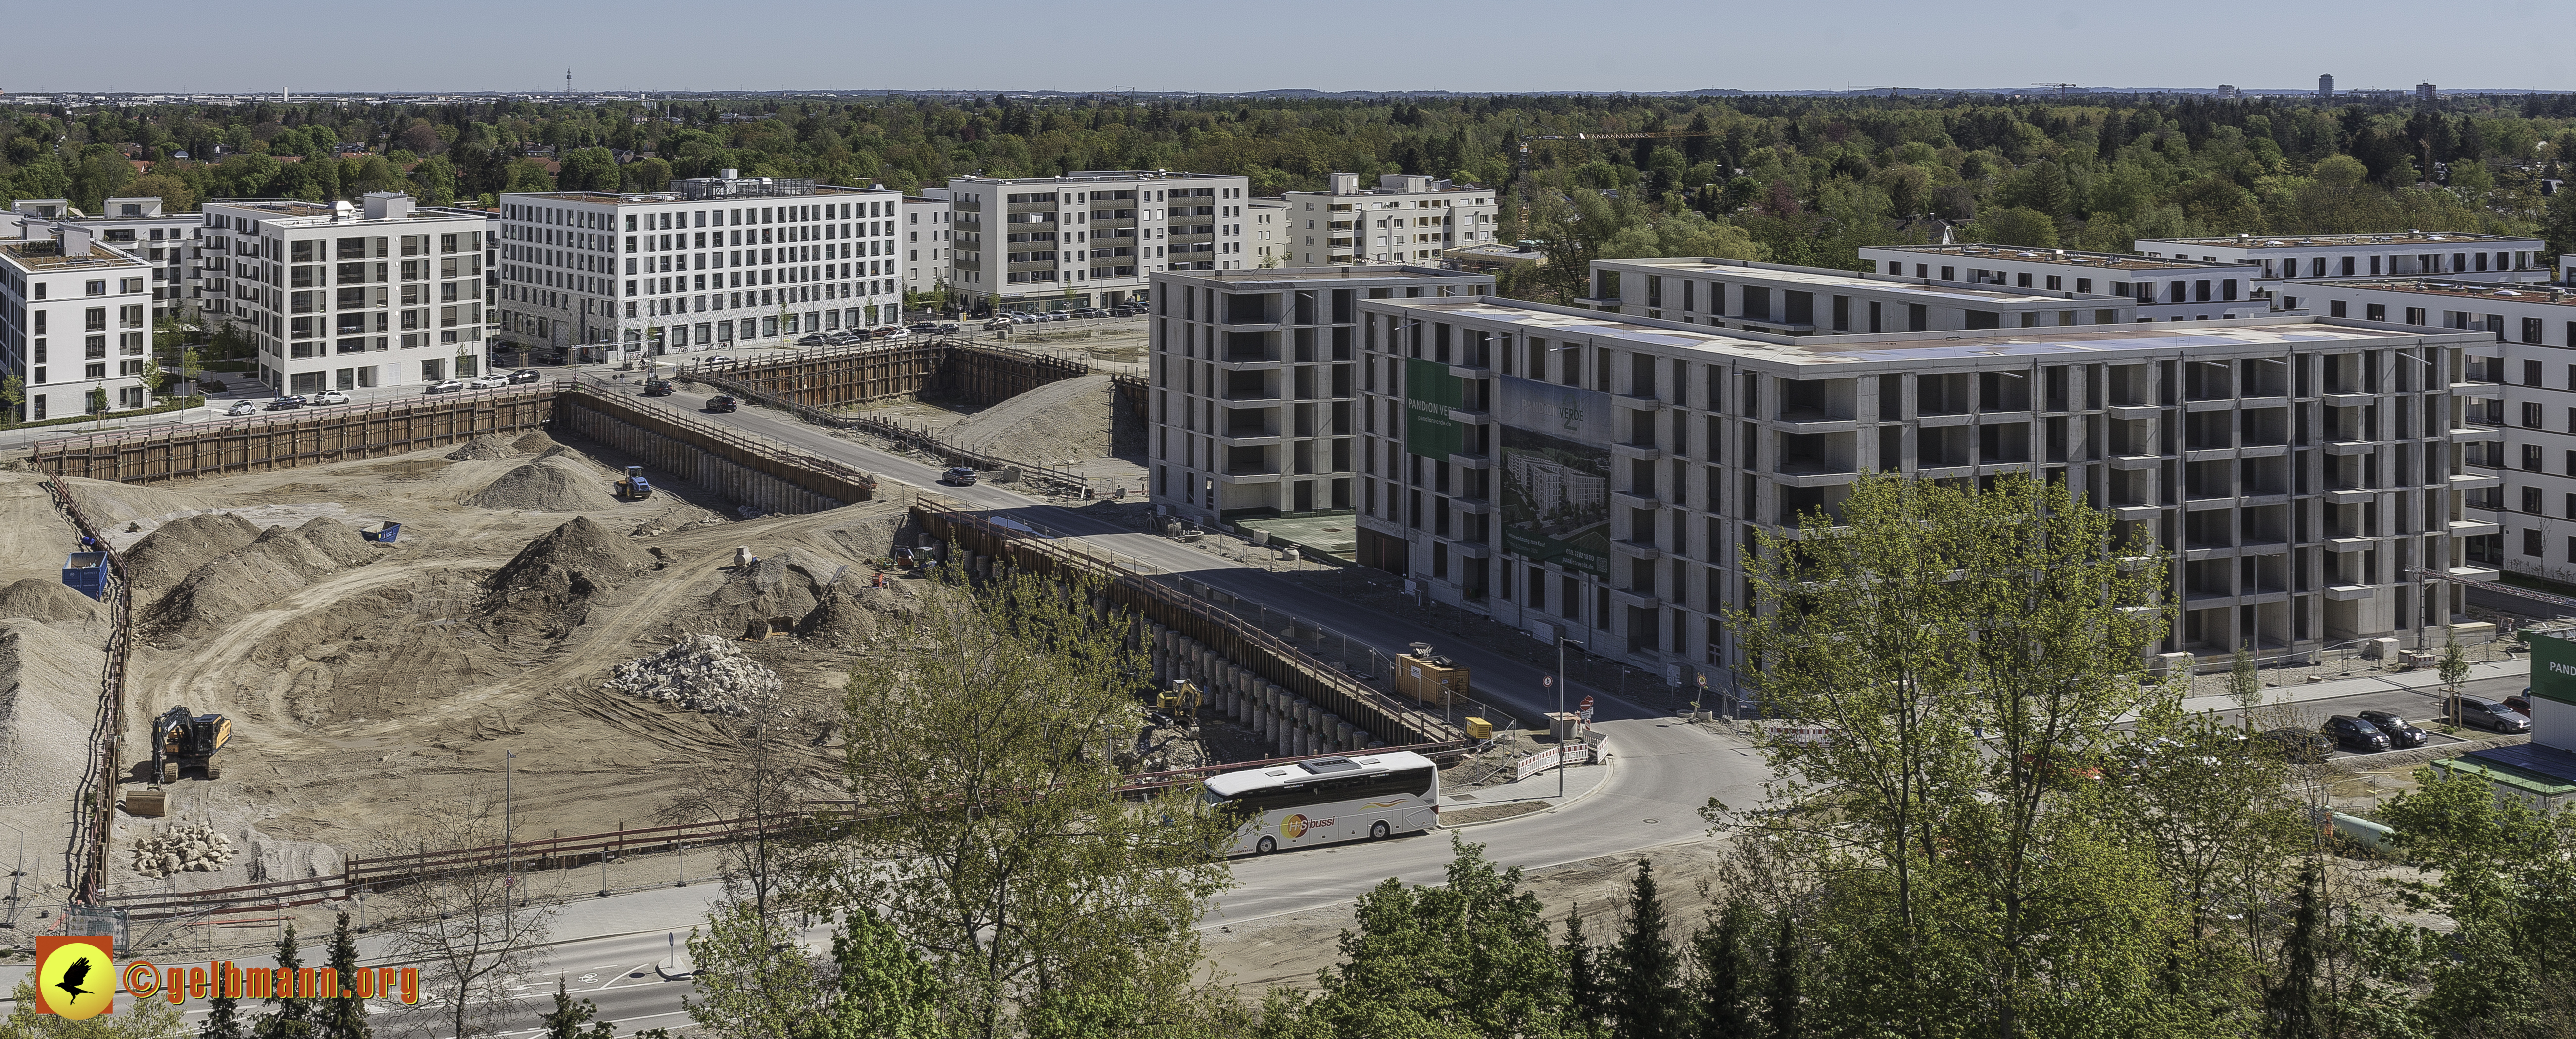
184,848
700,672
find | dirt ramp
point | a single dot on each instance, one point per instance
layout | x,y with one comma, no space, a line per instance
546,590
48,696
554,483
167,555
35,598
1060,421
278,564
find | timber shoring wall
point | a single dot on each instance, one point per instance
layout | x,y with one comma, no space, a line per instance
759,473
297,438
834,377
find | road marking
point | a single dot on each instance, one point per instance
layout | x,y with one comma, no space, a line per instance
650,979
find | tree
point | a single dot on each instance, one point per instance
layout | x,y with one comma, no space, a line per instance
565,1021
1644,971
753,979
2455,663
2500,872
2244,684
223,1018
1728,976
1584,989
292,1018
2015,226
344,1015
2291,1006
1005,854
139,1019
1783,1008
13,392
879,989
589,169
464,920
192,362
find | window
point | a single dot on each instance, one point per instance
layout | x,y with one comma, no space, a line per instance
2531,457
2531,333
2375,312
2531,500
2334,308
2531,374
2531,543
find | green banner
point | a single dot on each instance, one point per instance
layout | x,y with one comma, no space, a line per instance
1429,392
2553,668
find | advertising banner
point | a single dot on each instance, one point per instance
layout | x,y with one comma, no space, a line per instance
2553,668
1429,392
1556,474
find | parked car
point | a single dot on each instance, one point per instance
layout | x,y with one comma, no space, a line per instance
330,397
285,403
958,476
524,376
2481,713
720,404
444,386
242,407
1060,316
2298,746
720,359
923,327
2520,702
657,387
999,322
2400,734
2355,735
841,338
488,382
946,328
810,339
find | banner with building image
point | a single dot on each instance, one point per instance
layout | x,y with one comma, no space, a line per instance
1555,473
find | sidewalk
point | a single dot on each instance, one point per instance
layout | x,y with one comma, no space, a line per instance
1580,781
2420,679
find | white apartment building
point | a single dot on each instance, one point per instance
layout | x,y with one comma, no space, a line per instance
1251,375
74,322
927,228
1265,238
137,226
1569,472
1798,301
2166,289
1089,239
713,263
2454,254
1406,218
343,296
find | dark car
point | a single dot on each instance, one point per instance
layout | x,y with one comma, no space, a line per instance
2298,746
2520,702
720,404
946,328
2400,734
285,403
2479,712
524,375
657,388
812,339
959,476
2355,735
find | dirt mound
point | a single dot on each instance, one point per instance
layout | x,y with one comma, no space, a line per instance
774,592
278,564
1055,423
533,443
167,555
701,673
483,449
851,613
48,695
50,601
554,483
546,590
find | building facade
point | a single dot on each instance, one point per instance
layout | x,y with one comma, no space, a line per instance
2450,254
349,296
1406,218
1265,236
2166,289
1251,378
1798,301
1594,477
75,323
714,263
927,230
1089,239
138,227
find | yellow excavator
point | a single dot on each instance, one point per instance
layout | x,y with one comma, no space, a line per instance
180,739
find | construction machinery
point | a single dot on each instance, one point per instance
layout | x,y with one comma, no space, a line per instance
634,487
180,739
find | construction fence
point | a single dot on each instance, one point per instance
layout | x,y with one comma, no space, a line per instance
291,439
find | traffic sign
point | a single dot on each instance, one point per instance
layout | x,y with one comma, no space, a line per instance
1585,705
1548,682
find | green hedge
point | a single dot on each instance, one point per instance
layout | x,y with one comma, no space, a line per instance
180,404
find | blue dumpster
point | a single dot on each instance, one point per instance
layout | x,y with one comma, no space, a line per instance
382,533
86,573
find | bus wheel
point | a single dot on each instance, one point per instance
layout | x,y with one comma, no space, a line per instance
1266,846
1378,830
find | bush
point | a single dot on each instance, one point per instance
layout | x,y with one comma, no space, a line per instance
210,385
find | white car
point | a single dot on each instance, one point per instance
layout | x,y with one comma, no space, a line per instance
488,382
330,397
446,386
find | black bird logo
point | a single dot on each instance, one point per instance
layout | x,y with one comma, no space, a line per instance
73,976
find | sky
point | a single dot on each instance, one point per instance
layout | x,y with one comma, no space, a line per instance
1498,45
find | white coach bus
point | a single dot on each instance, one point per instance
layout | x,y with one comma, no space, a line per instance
1329,799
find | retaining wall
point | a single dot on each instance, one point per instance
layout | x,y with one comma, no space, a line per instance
836,377
764,475
297,438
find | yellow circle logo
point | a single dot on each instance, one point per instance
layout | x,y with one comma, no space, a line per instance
78,980
1293,827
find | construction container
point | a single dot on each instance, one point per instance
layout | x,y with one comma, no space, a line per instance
147,803
1430,678
1564,727
1479,729
86,573
381,533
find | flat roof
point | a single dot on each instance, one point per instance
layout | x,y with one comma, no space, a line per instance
2315,240
2106,261
1825,279
315,214
1382,271
1087,175
612,198
2446,287
2548,769
2072,340
45,254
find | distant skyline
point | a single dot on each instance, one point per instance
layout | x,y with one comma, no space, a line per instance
157,46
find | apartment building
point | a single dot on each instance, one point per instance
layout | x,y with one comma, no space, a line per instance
1252,384
1568,472
74,322
2453,254
1265,238
2166,289
1089,239
349,296
1799,301
2518,404
925,241
713,263
1406,218
139,227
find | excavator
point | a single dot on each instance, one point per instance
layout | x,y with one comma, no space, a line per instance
180,739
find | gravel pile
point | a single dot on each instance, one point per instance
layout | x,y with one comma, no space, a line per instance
183,848
49,601
1059,422
555,483
545,590
165,556
48,694
228,588
700,672
483,448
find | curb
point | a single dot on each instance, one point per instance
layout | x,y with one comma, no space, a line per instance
1609,761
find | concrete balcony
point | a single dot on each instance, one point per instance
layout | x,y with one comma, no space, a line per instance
2347,592
2348,400
2133,412
2478,390
2472,573
2471,528
2351,447
2473,482
2136,461
2351,497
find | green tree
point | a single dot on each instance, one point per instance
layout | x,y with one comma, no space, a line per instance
223,1019
1784,1006
2292,1008
753,979
140,1019
565,1021
1729,978
2455,663
2014,226
879,989
589,169
2244,683
1644,970
344,1015
1585,991
289,1018
2500,872
13,392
